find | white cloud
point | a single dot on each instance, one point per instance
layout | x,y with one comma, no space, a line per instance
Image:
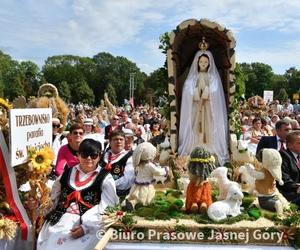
147,68
152,58
276,14
280,58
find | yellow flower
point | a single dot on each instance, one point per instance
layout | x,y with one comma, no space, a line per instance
41,160
49,152
5,104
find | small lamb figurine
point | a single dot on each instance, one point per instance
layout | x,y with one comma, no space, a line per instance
248,182
239,149
198,194
265,184
164,150
231,206
143,190
220,174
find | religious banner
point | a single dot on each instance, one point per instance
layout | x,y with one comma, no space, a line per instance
29,128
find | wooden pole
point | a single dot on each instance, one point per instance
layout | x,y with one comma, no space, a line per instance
102,243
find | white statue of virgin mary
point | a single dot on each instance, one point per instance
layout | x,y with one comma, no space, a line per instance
203,115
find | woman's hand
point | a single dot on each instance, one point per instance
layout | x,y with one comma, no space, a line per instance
77,232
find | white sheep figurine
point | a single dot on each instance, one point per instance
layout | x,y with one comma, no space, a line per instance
183,183
223,182
164,150
231,206
239,149
164,156
247,180
160,178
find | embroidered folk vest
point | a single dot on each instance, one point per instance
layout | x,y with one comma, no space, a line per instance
118,168
85,198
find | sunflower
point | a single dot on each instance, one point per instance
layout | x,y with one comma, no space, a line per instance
5,104
40,161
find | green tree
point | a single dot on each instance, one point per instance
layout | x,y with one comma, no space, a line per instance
15,89
64,91
62,68
116,71
1,86
282,95
111,92
278,82
292,76
258,77
81,92
158,83
29,77
11,84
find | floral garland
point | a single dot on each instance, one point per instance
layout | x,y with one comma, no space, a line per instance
203,160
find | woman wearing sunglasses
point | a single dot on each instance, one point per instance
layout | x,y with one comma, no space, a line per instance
67,154
80,196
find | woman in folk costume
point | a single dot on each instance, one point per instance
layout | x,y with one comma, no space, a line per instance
118,162
80,196
143,190
203,115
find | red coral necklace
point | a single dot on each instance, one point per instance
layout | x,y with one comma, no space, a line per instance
79,183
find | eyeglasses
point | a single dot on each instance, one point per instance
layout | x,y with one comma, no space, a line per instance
77,133
116,119
55,125
93,156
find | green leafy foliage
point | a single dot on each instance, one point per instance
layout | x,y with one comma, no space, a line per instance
259,77
82,93
255,213
234,114
294,216
64,91
166,205
128,220
282,95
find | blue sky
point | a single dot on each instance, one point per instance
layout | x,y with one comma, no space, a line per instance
266,31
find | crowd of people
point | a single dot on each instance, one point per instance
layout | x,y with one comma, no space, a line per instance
255,126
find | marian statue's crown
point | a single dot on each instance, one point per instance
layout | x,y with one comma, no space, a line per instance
203,45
